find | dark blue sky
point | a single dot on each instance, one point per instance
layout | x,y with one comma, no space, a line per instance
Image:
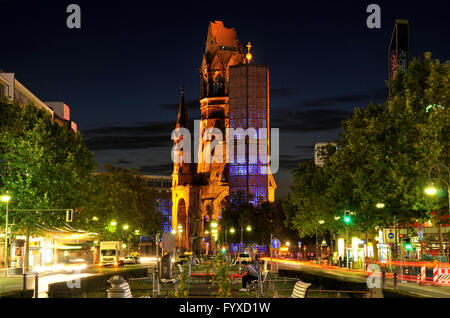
121,72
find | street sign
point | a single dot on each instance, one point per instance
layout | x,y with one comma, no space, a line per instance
276,243
420,233
168,242
391,236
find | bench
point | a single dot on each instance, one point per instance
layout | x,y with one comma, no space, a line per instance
300,289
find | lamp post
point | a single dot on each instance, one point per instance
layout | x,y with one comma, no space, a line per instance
5,198
317,245
126,227
214,226
431,190
347,221
180,230
248,229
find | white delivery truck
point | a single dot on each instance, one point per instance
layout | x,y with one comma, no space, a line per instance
111,253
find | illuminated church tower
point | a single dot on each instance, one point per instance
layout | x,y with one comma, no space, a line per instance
233,94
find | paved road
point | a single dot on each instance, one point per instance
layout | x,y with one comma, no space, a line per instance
16,282
353,275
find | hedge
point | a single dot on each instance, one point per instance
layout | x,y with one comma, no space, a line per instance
91,284
29,293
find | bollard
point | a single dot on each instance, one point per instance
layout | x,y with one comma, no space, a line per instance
383,275
24,281
154,282
119,288
395,280
36,286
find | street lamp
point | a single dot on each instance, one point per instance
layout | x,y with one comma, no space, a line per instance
113,223
249,228
126,227
380,205
180,230
5,198
431,190
317,244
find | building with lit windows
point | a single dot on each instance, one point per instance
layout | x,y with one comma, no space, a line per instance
162,185
12,90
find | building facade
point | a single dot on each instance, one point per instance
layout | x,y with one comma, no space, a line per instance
233,94
13,90
398,53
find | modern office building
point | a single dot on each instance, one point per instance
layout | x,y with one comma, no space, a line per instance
318,152
398,53
13,90
163,187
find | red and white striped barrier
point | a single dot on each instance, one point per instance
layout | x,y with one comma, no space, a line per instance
441,276
422,277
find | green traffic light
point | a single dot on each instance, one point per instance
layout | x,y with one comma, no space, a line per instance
408,246
347,219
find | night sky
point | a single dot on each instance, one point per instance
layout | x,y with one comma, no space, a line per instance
121,72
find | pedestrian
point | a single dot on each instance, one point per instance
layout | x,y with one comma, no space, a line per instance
249,274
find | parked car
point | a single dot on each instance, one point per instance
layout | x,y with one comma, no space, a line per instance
136,257
182,259
244,257
129,260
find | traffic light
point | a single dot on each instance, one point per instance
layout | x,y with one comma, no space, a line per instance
69,215
347,218
408,244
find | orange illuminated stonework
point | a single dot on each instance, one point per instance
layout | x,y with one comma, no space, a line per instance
199,189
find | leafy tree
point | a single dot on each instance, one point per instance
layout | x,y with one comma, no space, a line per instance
384,156
265,218
43,165
122,196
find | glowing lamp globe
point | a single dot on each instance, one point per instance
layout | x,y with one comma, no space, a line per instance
431,190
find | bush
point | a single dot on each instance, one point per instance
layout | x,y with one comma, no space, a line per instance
29,293
91,284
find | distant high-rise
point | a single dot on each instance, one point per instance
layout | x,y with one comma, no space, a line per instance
399,48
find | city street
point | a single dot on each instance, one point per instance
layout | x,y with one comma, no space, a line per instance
297,150
16,282
361,276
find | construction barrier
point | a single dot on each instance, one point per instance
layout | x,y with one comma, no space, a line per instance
422,277
441,276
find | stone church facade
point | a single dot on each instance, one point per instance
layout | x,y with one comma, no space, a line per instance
234,93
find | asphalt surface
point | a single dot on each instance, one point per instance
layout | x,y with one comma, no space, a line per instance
359,276
13,283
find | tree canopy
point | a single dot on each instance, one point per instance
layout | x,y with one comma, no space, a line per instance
122,196
383,155
44,165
